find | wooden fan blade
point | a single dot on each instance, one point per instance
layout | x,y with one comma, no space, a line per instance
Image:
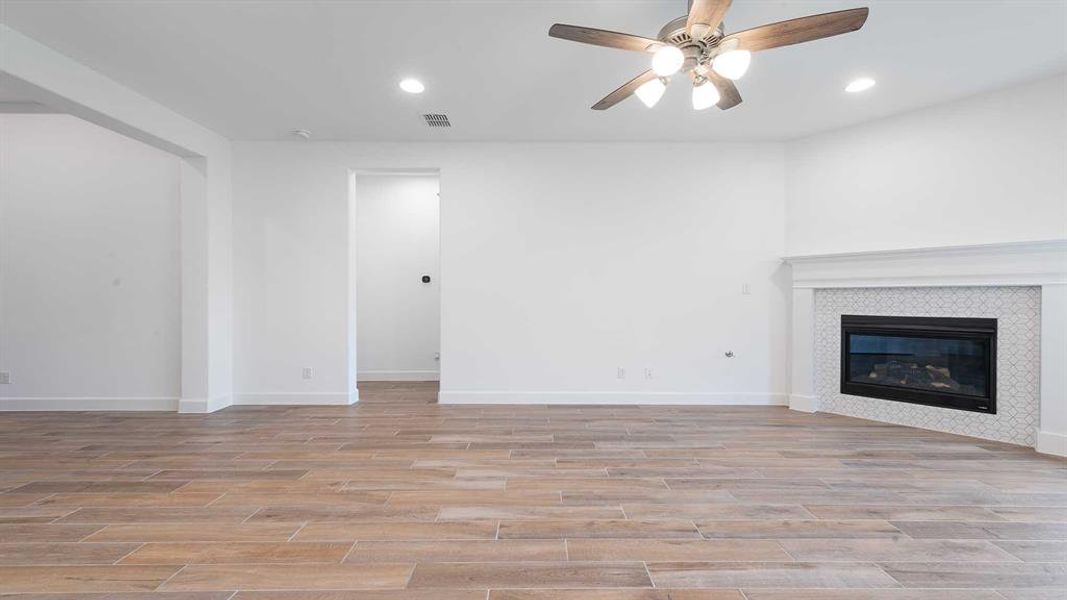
707,14
729,97
601,37
625,90
796,31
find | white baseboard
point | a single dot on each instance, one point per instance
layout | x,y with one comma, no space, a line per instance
163,403
1051,443
194,406
297,399
398,376
661,398
808,404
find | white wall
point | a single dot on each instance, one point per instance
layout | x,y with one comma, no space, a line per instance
33,71
397,241
992,168
559,264
89,267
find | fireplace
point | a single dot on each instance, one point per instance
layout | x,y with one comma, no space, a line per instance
937,361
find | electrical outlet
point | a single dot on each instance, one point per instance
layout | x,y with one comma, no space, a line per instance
648,373
620,373
746,289
5,377
307,373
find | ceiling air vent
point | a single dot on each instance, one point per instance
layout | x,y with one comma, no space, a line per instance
436,120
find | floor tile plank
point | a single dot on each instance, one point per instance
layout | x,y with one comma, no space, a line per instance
983,530
788,529
1036,550
616,594
529,575
353,531
366,595
597,528
894,549
188,553
979,575
460,551
45,553
198,532
290,577
83,578
883,594
777,575
660,550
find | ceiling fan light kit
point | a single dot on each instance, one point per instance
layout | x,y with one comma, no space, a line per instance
705,95
651,91
667,61
697,45
732,64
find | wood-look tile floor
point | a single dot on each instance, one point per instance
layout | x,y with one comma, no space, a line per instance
400,498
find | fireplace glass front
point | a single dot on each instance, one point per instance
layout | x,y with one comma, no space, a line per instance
944,362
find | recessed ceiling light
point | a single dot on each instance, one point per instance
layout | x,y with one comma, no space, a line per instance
859,85
412,86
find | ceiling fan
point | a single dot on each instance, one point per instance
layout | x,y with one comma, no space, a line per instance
696,45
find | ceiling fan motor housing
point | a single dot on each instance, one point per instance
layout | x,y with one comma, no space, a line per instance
696,51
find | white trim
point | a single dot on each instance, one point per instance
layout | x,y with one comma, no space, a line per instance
398,376
82,403
802,351
1051,443
194,406
574,397
1052,434
395,172
938,281
802,403
1041,262
27,108
297,399
970,249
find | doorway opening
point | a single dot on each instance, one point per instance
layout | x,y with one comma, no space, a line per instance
398,300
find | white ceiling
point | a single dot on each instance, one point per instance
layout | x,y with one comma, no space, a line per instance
257,69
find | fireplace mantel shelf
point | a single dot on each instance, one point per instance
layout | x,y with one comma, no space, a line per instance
1041,263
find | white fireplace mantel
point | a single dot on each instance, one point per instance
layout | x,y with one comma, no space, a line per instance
1040,263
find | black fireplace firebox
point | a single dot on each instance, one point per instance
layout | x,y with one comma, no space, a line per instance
937,361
